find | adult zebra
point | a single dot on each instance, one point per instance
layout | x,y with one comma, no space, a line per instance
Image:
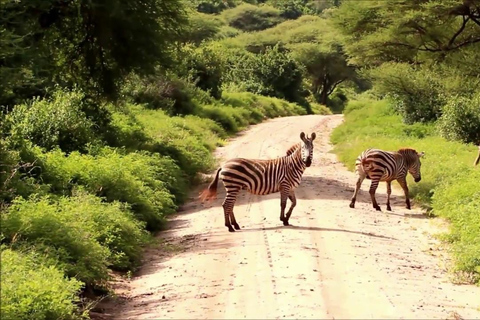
378,165
262,177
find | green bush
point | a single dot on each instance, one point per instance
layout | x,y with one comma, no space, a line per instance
248,17
272,73
31,290
83,233
416,93
159,91
203,66
172,138
49,123
149,183
201,27
461,119
60,233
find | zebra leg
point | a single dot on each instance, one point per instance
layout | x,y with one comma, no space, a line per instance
284,192
373,188
293,199
228,205
389,191
357,188
403,184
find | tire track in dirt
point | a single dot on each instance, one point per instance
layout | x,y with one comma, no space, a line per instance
333,262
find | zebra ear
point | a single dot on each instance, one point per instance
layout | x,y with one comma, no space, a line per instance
421,154
314,135
302,136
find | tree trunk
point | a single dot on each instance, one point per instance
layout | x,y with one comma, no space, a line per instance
478,157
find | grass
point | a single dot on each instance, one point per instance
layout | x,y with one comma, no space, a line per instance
449,186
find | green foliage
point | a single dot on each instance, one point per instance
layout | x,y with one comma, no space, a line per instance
461,119
416,94
83,233
247,17
142,180
453,195
272,73
212,6
32,290
201,27
314,45
160,91
97,42
204,67
56,122
382,31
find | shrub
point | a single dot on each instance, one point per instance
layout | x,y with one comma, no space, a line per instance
461,119
85,234
172,138
32,290
203,66
159,91
416,93
201,27
54,122
247,17
60,233
273,73
145,181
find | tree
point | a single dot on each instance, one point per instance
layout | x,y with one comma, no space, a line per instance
91,43
408,31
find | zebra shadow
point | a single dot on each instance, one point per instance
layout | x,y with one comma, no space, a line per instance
295,227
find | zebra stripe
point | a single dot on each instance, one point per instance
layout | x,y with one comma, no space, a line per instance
378,165
262,177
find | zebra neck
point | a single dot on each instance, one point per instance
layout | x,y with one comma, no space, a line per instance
295,159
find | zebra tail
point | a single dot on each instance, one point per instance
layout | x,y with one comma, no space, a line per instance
478,157
211,192
367,165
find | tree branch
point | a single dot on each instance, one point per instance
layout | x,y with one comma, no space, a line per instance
465,20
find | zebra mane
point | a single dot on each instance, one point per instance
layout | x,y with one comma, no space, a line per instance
407,151
293,148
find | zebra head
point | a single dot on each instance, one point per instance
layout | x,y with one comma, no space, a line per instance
307,148
413,159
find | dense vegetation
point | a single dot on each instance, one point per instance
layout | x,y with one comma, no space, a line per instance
419,57
109,112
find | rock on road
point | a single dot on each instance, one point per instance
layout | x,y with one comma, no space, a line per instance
333,262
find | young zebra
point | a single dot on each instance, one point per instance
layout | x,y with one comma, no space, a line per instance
378,165
263,177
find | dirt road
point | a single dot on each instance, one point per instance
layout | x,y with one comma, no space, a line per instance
333,262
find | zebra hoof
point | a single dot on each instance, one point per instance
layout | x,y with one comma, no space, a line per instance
236,226
389,208
285,223
378,209
352,205
230,229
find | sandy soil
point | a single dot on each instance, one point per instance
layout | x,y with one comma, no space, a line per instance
333,262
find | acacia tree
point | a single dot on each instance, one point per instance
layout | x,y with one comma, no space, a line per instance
408,31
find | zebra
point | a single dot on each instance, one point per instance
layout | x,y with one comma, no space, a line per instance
378,165
262,177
